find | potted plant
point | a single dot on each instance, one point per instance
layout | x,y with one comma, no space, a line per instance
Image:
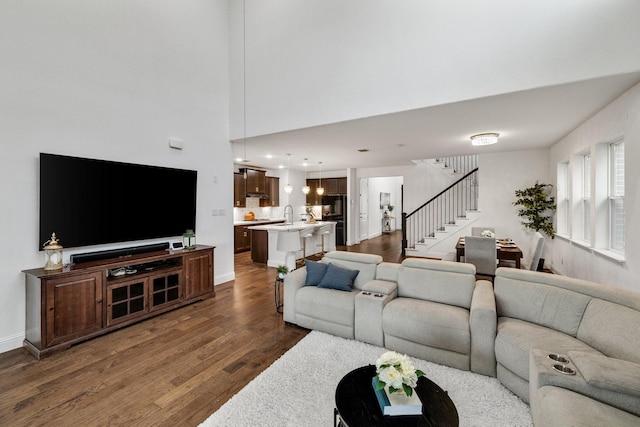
310,216
282,271
537,206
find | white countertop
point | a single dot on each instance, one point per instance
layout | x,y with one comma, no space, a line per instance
299,225
258,221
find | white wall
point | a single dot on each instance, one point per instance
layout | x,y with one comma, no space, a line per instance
391,185
110,80
500,175
324,61
620,118
421,182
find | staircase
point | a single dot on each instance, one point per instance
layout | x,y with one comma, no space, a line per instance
432,229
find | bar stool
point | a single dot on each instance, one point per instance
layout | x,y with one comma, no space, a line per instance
323,231
306,233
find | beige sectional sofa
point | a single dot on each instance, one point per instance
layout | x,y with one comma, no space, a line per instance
323,309
437,311
434,310
596,327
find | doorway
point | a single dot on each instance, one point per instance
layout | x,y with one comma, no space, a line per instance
363,223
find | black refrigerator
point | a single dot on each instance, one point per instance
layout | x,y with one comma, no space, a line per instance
334,208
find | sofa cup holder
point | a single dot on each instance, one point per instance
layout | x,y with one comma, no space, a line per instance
564,369
559,358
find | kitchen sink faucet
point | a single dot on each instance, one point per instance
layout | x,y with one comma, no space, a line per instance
288,215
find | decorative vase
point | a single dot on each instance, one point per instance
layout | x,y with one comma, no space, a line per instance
399,397
281,275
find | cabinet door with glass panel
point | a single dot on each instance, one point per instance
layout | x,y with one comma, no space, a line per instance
126,300
165,290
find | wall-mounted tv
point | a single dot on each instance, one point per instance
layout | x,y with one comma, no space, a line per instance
91,202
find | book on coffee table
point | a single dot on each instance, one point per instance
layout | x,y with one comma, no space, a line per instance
397,403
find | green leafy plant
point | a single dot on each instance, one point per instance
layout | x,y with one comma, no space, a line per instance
282,269
536,207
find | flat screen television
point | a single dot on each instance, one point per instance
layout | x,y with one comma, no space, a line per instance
90,202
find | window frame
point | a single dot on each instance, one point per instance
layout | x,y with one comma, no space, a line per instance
586,201
615,196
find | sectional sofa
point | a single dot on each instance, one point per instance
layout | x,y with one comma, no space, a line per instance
437,311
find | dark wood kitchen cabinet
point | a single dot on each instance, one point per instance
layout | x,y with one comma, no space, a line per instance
259,246
273,192
256,180
241,238
239,191
313,198
342,186
332,187
335,186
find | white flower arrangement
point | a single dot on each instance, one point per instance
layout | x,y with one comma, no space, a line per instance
397,372
487,233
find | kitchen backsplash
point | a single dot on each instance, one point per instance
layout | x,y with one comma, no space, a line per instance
276,212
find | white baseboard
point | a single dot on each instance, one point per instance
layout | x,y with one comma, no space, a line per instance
218,280
11,342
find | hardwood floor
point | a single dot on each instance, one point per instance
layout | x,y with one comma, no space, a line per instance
172,370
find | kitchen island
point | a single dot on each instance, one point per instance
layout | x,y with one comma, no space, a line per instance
242,234
264,240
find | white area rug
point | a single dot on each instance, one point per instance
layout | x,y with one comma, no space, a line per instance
283,395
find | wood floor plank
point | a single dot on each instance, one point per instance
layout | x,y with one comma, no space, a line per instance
171,370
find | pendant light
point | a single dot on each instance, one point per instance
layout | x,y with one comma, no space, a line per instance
305,187
244,84
288,188
320,189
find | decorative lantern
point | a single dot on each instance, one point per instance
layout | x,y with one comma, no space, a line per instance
53,251
189,239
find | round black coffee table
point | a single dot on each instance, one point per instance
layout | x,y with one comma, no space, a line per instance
357,405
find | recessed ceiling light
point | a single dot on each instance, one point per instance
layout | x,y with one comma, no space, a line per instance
269,156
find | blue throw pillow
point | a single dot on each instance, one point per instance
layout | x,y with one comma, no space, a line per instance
339,278
315,272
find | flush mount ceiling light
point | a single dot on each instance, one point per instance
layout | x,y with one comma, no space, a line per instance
484,138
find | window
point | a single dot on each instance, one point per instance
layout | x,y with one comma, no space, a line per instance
616,196
586,197
590,199
562,196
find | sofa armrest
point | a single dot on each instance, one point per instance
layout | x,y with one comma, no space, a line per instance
611,381
381,287
292,282
483,322
604,372
616,380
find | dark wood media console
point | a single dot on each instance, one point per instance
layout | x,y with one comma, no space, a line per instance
83,301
